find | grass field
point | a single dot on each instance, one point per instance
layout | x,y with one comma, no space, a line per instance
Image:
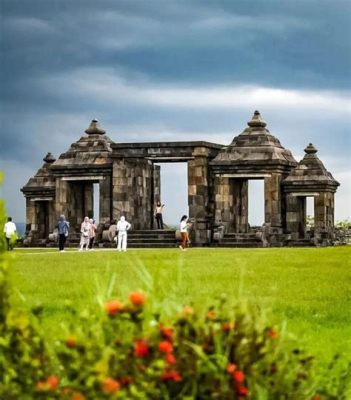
308,290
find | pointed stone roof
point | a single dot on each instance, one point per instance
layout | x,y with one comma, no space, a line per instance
91,152
94,128
255,146
42,184
310,175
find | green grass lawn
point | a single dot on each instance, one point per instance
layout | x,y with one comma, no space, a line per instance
308,290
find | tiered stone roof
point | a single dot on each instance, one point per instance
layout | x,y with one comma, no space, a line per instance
42,184
310,175
91,152
254,148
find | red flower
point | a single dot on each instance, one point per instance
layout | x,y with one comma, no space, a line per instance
231,368
126,380
272,333
171,376
170,359
166,332
113,307
137,299
71,342
242,390
141,348
165,347
238,376
110,385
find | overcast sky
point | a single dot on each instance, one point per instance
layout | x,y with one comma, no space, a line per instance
173,70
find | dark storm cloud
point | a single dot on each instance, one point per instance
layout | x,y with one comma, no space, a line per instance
155,70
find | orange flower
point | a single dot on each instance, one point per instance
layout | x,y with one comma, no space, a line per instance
141,348
166,332
165,347
211,314
113,307
52,382
187,310
71,342
137,299
231,368
41,385
228,326
78,396
110,385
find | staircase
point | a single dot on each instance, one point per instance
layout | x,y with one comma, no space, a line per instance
159,238
250,239
300,243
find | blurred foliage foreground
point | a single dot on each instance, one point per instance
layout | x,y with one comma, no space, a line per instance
129,352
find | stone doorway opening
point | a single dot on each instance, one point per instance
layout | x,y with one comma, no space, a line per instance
173,192
96,202
309,218
256,203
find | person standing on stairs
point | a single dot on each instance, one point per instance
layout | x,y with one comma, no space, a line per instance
158,214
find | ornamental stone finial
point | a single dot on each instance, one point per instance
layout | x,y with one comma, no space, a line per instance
94,128
257,121
49,158
310,149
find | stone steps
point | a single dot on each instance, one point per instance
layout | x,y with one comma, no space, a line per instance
300,243
248,239
136,239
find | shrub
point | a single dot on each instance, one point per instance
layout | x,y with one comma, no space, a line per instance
128,351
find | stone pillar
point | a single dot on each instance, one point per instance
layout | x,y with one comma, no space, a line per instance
132,191
30,215
272,196
224,203
62,205
240,205
296,216
324,211
198,195
105,200
88,191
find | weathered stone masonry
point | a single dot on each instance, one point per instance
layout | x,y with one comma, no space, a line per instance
218,179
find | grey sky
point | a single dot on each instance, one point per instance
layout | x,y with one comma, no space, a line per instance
173,70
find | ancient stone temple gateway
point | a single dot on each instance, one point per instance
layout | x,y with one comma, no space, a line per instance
129,184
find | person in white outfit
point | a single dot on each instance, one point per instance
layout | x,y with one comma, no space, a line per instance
84,234
10,231
122,227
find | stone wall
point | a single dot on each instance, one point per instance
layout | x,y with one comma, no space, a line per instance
132,186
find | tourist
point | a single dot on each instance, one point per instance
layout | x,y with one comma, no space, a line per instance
63,227
184,225
92,234
84,234
158,215
10,231
122,227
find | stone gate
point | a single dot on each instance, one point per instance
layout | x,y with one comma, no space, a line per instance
128,182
